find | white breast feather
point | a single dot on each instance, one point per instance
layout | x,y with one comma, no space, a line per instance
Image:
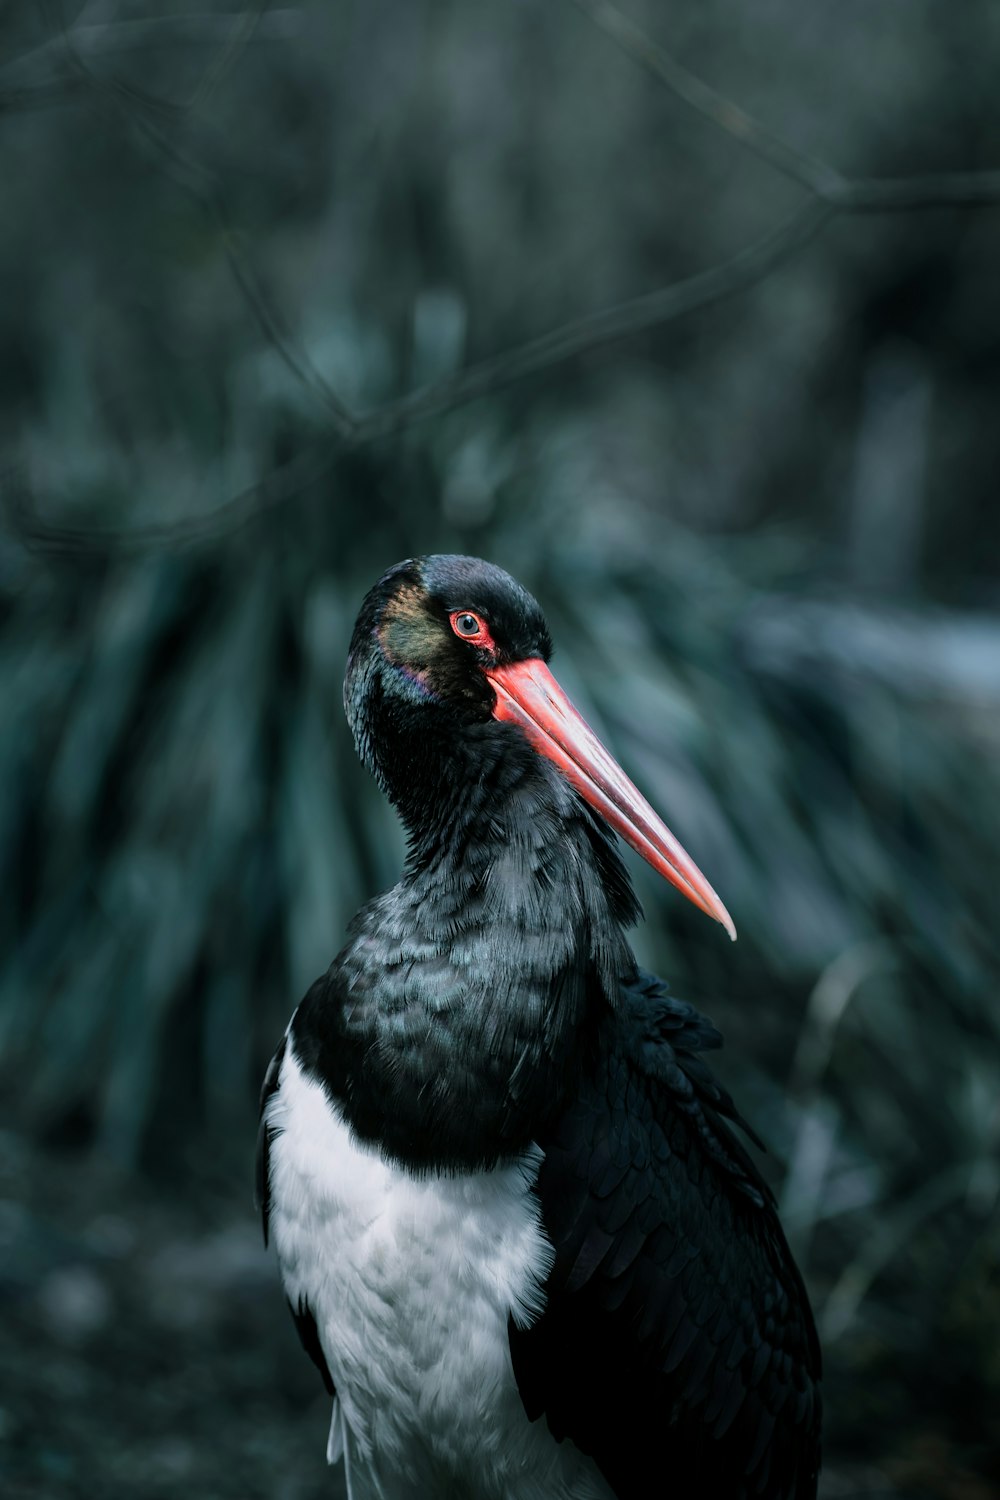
411,1281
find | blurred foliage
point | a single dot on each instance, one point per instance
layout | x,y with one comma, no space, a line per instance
765,537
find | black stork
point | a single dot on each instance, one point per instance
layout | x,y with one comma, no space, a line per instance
517,1232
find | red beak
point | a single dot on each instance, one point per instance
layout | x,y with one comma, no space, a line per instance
527,694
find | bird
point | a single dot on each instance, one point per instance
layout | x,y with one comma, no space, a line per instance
518,1230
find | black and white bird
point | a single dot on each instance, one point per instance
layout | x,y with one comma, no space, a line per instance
518,1234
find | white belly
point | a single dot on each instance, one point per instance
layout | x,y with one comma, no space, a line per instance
411,1281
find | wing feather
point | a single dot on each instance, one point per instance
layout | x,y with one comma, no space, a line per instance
262,1169
305,1323
677,1338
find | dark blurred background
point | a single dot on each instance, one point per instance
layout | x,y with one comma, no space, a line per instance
765,534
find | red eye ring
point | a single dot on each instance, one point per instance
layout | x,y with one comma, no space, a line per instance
469,627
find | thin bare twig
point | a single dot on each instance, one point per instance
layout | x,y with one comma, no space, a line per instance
233,49
344,424
153,33
734,120
276,488
200,183
934,190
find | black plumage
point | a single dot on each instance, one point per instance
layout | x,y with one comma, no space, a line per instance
674,1309
262,1165
490,1003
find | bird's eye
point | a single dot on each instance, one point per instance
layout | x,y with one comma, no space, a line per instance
468,625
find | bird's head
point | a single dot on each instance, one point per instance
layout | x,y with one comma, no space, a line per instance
452,650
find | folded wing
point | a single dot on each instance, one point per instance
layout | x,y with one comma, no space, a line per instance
677,1346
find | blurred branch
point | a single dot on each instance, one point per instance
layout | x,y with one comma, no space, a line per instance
231,31
846,195
812,174
201,184
598,330
829,193
17,504
47,75
229,55
489,376
246,278
933,190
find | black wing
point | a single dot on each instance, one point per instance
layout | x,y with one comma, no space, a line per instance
265,1134
305,1323
677,1346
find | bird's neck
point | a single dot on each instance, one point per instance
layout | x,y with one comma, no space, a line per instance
453,1023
